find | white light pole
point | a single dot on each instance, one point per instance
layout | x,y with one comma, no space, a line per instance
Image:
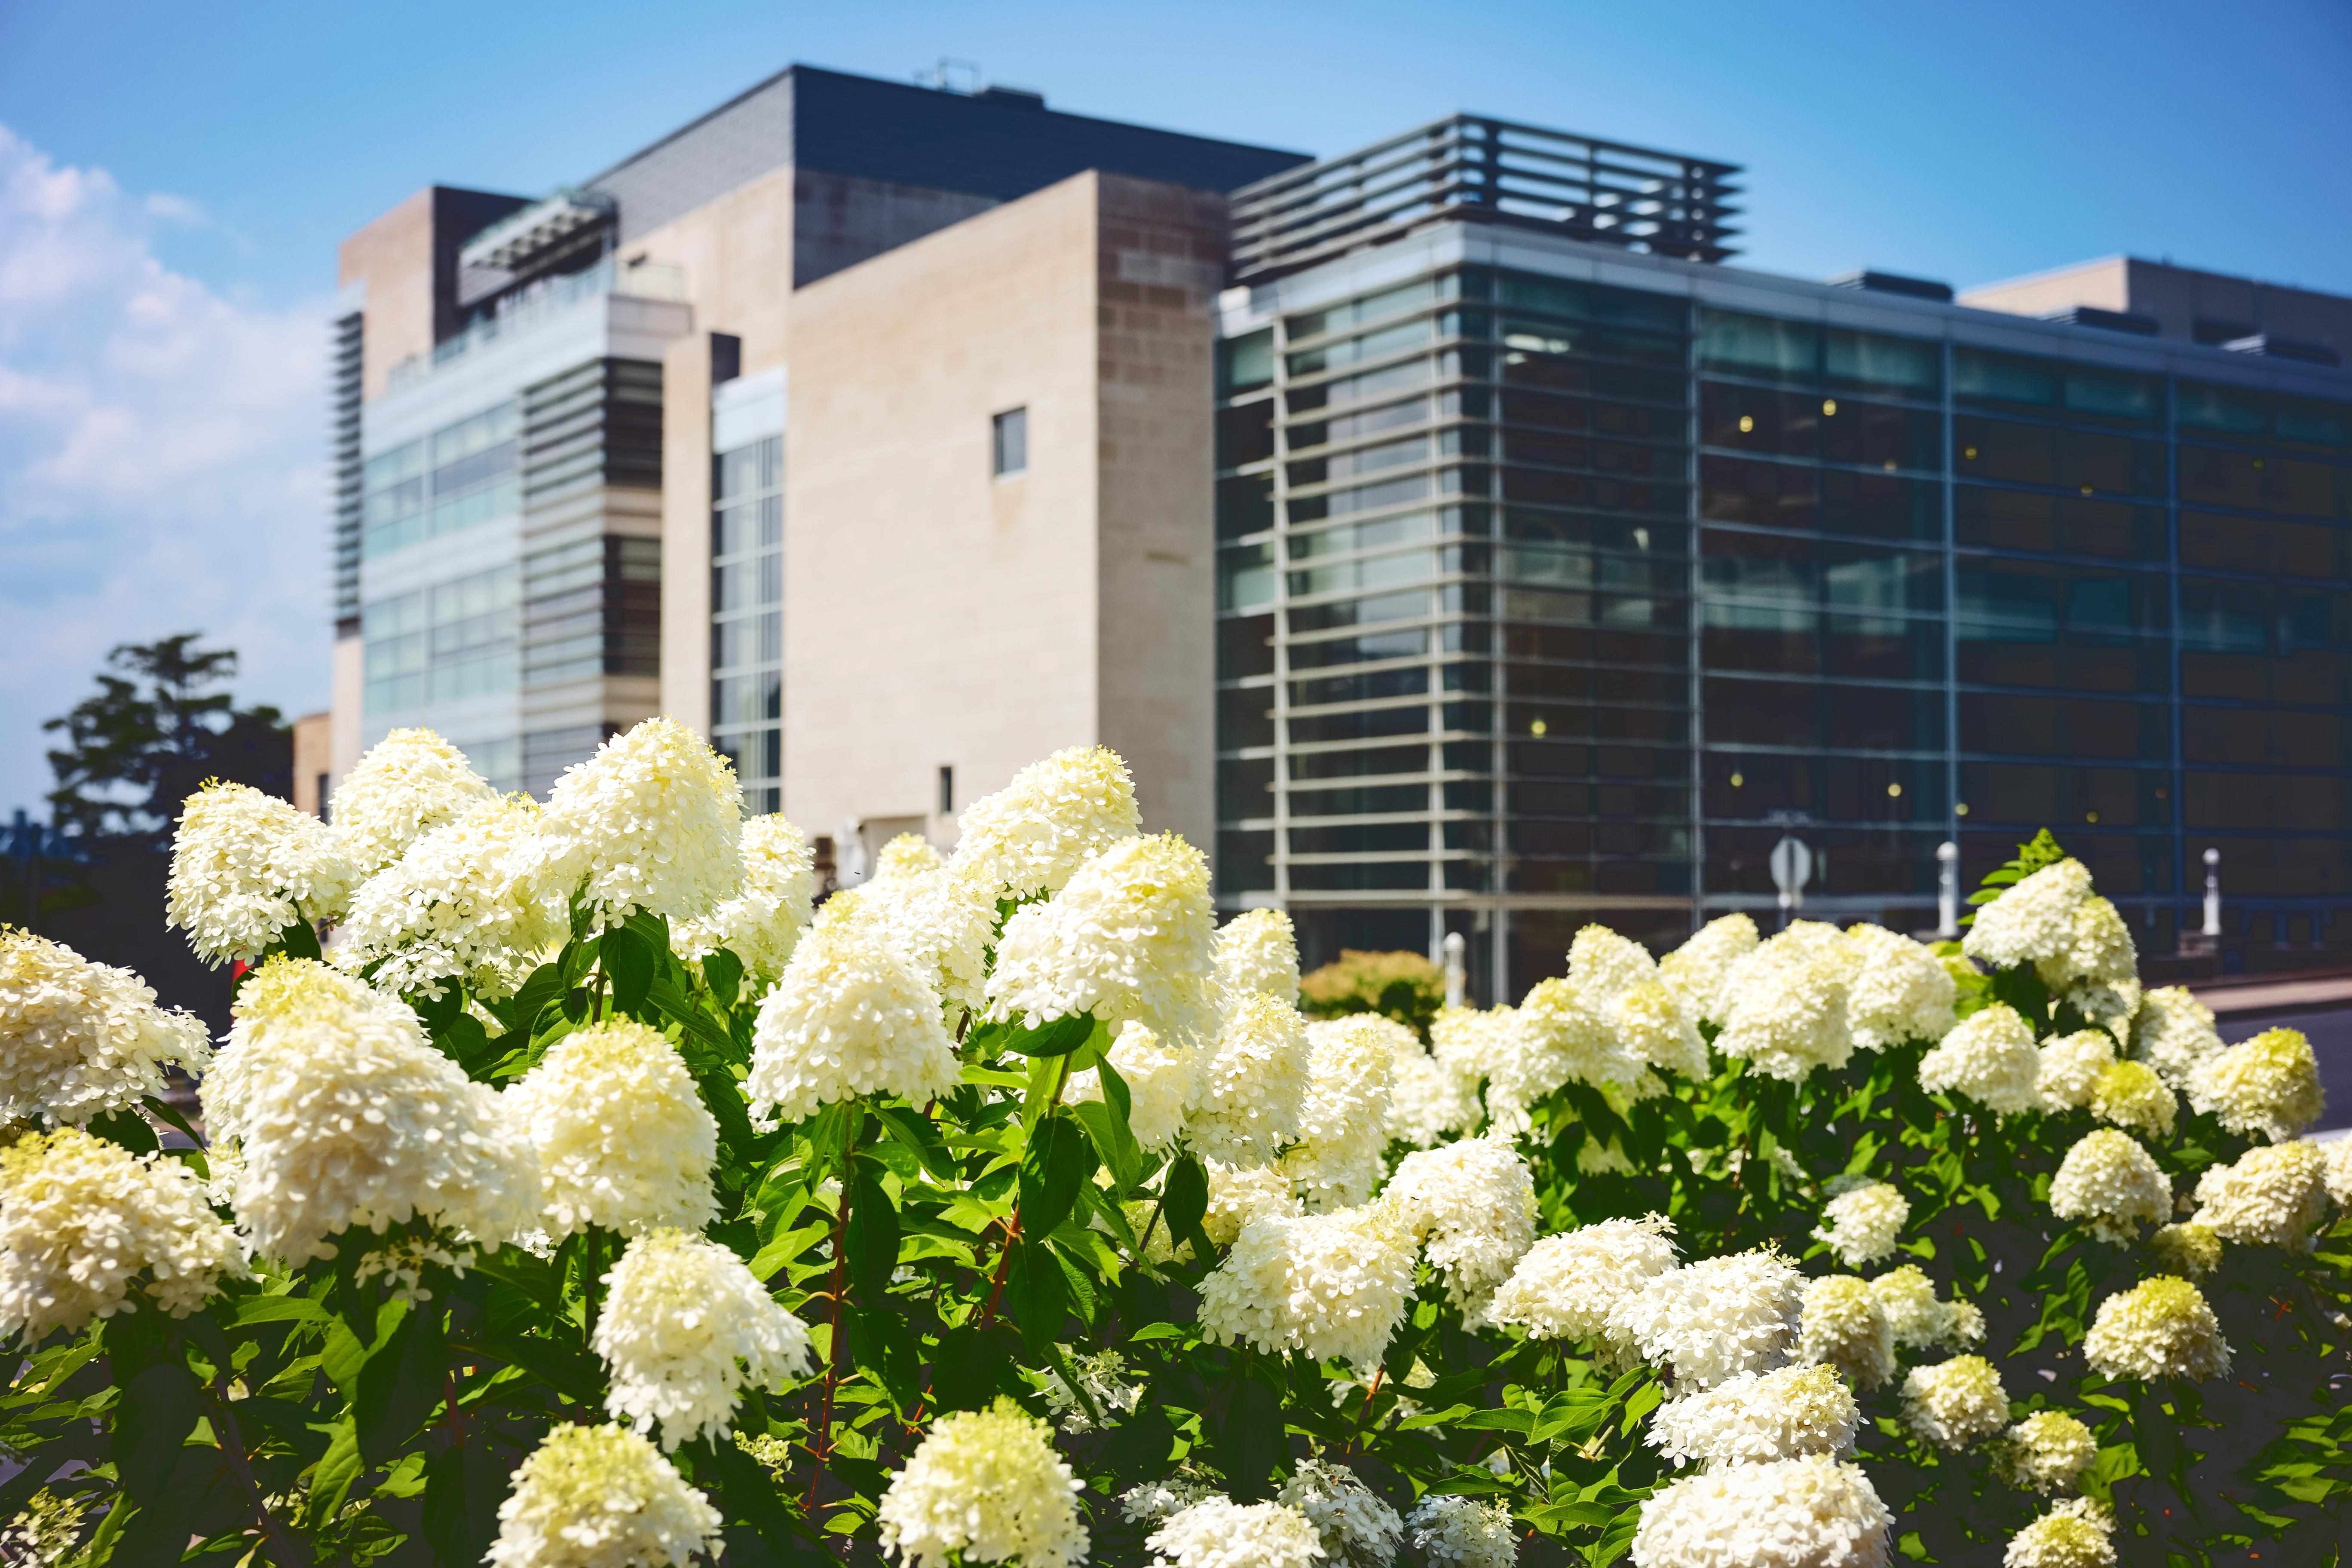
2213,893
1457,973
1792,867
1948,890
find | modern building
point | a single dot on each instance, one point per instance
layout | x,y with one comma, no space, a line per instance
1446,531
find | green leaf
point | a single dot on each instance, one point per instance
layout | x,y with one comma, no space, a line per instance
157,1411
1245,1428
1057,1161
299,940
1185,1201
671,1000
882,1344
332,1475
631,963
278,1310
400,1386
534,1276
1058,1038
574,1373
463,1485
126,1128
916,1133
969,1369
722,972
520,1013
170,1118
1039,1294
873,1244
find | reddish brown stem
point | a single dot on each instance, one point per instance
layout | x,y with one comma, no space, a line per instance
821,1443
282,1544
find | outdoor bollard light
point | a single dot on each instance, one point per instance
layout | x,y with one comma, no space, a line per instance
1948,890
1792,867
2213,892
1458,973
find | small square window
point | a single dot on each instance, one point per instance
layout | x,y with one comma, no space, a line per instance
1012,444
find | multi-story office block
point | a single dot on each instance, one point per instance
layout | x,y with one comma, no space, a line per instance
1445,532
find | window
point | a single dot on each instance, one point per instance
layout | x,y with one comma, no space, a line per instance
747,630
947,789
1011,442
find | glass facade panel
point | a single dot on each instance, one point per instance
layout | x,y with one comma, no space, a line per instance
747,629
463,475
444,644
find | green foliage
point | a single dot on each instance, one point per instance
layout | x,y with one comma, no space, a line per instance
1405,986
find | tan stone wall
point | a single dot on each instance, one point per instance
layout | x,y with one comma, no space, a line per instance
2104,285
394,255
347,700
934,614
314,755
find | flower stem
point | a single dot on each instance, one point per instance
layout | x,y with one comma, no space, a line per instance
821,1438
282,1545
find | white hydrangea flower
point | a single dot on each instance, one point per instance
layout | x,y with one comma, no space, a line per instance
1102,1377
624,1138
2269,1085
2173,1033
907,854
984,1486
1917,1318
685,1330
2112,1184
1032,835
1257,950
1334,1285
1356,1528
402,788
2071,1066
244,866
79,1039
1696,971
650,822
1954,1402
1557,1034
2161,1327
1433,1094
1847,1326
602,1497
2131,1095
1252,1085
1475,1204
1343,1115
2047,1451
1863,1225
1784,1003
2338,1152
1567,1286
81,1219
1759,1416
2033,919
1129,936
2074,1534
466,900
1240,1195
1463,1532
1160,1083
851,1015
1218,1532
2274,1196
346,1116
1653,1023
1152,1501
1899,989
2189,1250
1990,1058
1603,965
942,918
762,922
1716,1318
2098,972
1813,1511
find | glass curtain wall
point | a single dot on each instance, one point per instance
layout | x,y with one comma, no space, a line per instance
747,630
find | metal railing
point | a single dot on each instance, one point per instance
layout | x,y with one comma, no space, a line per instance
1483,170
537,301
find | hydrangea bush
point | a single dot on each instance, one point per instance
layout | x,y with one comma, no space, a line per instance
590,1198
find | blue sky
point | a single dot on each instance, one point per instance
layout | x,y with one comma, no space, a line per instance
173,180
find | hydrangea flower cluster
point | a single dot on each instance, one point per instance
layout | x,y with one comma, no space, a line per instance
624,1138
2268,1085
1257,950
1953,1402
987,1485
1129,936
1356,1528
1032,835
1344,1112
849,1016
1473,1202
468,899
1863,1224
1990,1058
79,1039
245,866
1567,1286
1333,1285
402,788
1845,1325
1716,1318
2173,1033
1254,1084
1463,1532
2162,1327
1812,1512
2047,1451
761,922
1759,1417
2111,1183
1784,1003
599,1497
685,1330
1218,1532
650,822
2274,1196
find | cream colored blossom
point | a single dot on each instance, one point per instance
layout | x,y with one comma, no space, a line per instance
650,822
402,788
79,1039
984,1486
1343,1115
245,866
1475,1204
346,1117
1160,1083
1239,1195
2071,1066
83,1222
2338,1172
1603,965
1846,1325
1032,835
943,919
1567,1286
2112,1184
601,1496
2269,1085
2098,970
1102,1377
1917,1320
1652,1023
1218,1532
761,921
2274,1196
1431,1094
1253,1086
909,854
1864,1224
2173,1033
2132,1096
2191,1250
1899,989
1716,1318
1759,1417
1129,936
1334,1285
1558,1034
1257,950
624,1138
1813,1511
2032,919
2047,1451
1954,1402
1463,1532
684,1330
1990,1058
1784,1003
466,900
2074,1534
850,1016
1696,971
2161,1327
1356,1528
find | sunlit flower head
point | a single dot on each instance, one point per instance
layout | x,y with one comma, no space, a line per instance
79,1039
1784,1003
624,1138
402,788
984,1486
2173,1033
1032,836
466,900
2074,1534
1129,936
1845,1325
1218,1532
685,1330
1463,1532
2274,1196
1160,1079
2162,1327
1759,1417
1917,1320
1953,1402
2032,920
2111,1183
1253,1086
1431,1093
1716,1318
1257,950
1813,1511
1475,1203
1344,1113
851,1015
1356,1528
2047,1451
1567,1286
762,921
245,866
2268,1085
650,822
1864,1224
1899,991
1990,1058
2071,1066
1696,971
601,1496
2132,1096
1334,1285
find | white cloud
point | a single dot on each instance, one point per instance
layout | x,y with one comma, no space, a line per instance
162,458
